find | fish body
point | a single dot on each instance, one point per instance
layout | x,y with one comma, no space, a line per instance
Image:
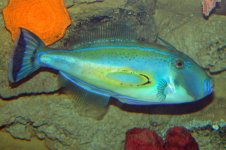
132,72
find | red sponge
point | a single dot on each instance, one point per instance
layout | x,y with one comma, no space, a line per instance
143,139
179,138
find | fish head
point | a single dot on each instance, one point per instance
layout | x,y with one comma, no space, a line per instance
187,81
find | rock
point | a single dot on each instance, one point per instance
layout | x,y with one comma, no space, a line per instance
19,131
68,3
207,46
7,142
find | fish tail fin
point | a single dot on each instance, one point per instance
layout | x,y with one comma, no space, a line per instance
24,58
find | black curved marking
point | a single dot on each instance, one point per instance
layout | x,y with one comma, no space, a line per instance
148,80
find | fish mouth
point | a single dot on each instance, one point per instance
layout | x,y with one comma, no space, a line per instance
208,86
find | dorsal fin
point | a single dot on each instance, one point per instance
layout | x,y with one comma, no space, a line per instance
166,44
103,33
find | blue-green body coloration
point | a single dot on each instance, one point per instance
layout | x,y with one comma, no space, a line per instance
132,72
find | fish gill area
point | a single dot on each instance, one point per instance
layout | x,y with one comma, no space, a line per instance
37,115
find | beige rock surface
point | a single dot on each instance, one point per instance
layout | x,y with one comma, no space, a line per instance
53,118
183,25
9,143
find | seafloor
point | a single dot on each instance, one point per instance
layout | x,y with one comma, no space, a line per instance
35,115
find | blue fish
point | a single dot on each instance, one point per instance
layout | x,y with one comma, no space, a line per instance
128,70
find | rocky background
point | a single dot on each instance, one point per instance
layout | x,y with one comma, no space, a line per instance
38,116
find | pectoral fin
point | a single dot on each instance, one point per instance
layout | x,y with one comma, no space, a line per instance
161,95
128,78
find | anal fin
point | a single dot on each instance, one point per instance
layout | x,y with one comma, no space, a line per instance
86,103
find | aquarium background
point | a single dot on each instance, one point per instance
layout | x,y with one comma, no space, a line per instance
38,115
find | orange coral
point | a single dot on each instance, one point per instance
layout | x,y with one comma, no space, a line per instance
46,18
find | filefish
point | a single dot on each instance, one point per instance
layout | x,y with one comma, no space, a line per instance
131,71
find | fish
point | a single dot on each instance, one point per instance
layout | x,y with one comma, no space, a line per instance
131,71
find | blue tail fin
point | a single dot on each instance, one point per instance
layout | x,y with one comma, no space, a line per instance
23,61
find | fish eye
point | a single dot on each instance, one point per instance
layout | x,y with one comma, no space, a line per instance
179,63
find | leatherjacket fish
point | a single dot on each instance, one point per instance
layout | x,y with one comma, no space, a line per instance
130,71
